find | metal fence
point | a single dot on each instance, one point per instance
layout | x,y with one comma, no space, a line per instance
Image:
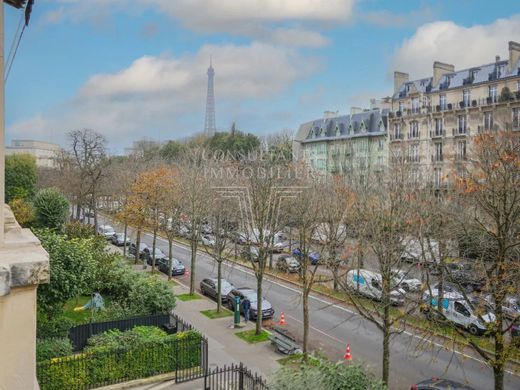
79,334
186,358
234,377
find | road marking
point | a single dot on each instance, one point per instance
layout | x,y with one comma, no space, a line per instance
330,304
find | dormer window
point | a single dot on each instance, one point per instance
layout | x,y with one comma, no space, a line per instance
362,126
350,128
381,125
337,131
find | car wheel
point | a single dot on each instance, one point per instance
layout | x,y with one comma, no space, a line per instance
474,330
405,287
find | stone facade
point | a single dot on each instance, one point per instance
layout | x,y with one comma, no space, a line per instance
434,120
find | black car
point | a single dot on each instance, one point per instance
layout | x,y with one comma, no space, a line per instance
159,255
133,249
440,384
243,292
467,276
177,267
209,287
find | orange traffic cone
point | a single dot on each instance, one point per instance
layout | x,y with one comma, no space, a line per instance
282,319
348,356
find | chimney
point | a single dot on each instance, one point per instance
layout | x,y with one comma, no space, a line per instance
439,70
399,79
330,114
514,55
355,110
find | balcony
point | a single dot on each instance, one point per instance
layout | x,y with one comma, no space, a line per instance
396,137
436,158
492,100
437,133
413,135
460,131
413,159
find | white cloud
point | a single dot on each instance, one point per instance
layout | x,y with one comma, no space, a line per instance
461,46
256,19
159,95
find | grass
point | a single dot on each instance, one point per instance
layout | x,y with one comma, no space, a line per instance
251,337
291,360
188,297
83,316
213,314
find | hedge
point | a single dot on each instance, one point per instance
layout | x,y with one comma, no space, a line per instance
93,369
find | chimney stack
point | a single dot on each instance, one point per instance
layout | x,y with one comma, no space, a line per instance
439,70
399,79
514,55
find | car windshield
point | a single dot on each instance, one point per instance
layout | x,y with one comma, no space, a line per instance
251,295
176,262
158,252
224,283
120,235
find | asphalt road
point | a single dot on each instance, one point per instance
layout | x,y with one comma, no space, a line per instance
333,326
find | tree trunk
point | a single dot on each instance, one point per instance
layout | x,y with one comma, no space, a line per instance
219,285
386,344
154,243
124,239
78,211
137,245
259,301
499,358
305,303
194,244
170,257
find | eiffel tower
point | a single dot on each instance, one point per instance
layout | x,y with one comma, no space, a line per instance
209,125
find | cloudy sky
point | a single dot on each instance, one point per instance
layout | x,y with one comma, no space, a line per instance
132,69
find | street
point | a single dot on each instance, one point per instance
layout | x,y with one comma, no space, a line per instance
333,326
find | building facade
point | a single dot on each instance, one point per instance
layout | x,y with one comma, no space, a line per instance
45,153
433,121
344,144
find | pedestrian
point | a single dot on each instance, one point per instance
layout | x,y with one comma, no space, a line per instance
246,306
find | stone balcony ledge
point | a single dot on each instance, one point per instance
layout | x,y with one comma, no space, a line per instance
23,261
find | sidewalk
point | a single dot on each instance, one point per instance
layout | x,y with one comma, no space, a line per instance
224,347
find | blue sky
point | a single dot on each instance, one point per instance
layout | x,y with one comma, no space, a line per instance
136,68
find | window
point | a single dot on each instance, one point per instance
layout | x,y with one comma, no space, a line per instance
414,129
375,284
438,152
380,161
415,105
381,144
516,118
461,150
466,97
462,120
414,153
461,309
437,177
439,127
401,106
518,85
397,131
442,102
488,120
492,94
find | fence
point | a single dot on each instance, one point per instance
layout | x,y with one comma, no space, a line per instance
79,334
187,358
234,377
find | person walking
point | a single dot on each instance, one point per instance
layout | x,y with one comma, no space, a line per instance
246,306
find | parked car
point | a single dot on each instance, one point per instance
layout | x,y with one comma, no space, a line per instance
457,310
413,251
440,384
208,240
404,281
119,239
106,230
250,253
242,292
239,238
447,287
132,249
511,306
287,263
368,283
314,257
184,231
148,253
177,267
467,276
209,287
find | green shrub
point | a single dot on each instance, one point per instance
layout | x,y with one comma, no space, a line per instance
51,208
23,211
52,348
321,374
48,327
77,229
153,354
20,176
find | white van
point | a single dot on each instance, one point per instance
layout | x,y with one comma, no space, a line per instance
368,283
106,230
457,310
